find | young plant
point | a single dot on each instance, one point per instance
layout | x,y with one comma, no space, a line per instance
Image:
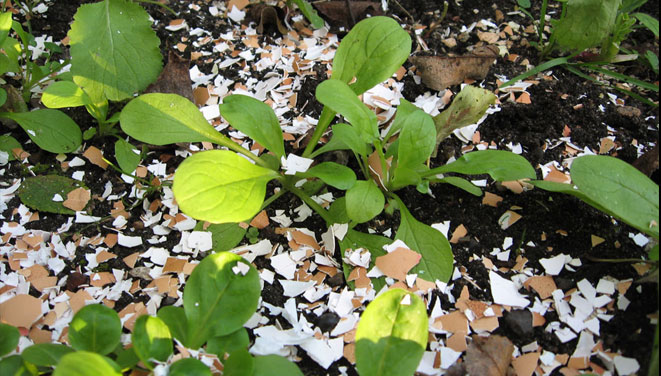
221,186
220,296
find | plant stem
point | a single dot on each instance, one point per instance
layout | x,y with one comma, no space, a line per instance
325,119
272,198
542,21
618,261
323,213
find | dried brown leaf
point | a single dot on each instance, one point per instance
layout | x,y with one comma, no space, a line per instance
174,78
490,356
337,13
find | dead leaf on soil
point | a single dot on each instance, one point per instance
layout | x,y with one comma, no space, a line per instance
174,78
337,13
490,356
439,72
267,18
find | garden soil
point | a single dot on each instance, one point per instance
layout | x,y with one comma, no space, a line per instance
565,116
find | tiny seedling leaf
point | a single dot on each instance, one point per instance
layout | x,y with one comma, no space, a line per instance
9,336
51,130
189,367
151,339
501,165
128,157
372,51
466,108
229,343
46,354
86,363
391,335
38,192
114,51
256,119
364,201
310,13
95,328
334,174
161,119
218,295
175,319
63,94
220,186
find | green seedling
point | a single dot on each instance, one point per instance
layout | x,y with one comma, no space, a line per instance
309,12
225,186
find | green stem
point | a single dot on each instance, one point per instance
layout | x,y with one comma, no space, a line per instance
325,119
542,22
272,198
618,261
311,203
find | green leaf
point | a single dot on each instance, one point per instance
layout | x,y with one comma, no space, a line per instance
37,192
403,176
621,189
128,157
114,51
229,343
189,367
392,335
12,50
364,201
264,366
372,51
85,363
175,319
339,97
404,110
161,119
654,253
46,354
437,259
15,365
95,328
51,130
240,363
256,119
9,336
217,297
219,186
62,94
586,24
334,174
463,184
224,236
126,358
466,108
501,165
649,22
3,92
5,26
417,139
374,243
310,13
7,144
345,137
151,339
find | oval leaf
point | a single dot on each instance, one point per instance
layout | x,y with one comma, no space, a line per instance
9,336
45,354
229,343
218,295
38,193
161,119
8,144
621,189
334,174
189,367
15,365
391,335
224,236
256,119
372,51
51,130
416,139
364,201
264,366
64,94
151,339
85,363
240,363
95,328
117,57
466,108
175,319
339,97
128,157
345,137
219,186
501,165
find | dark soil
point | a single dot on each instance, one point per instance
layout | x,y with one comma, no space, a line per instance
565,222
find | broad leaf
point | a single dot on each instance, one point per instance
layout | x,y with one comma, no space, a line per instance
39,192
15,365
219,186
161,119
256,119
586,24
621,189
501,165
217,295
229,343
51,130
417,139
466,108
126,357
224,236
128,157
9,336
46,354
391,335
85,363
334,174
189,367
437,259
240,363
345,137
114,51
95,328
264,366
63,94
175,319
5,26
339,97
404,109
372,51
364,201
151,339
